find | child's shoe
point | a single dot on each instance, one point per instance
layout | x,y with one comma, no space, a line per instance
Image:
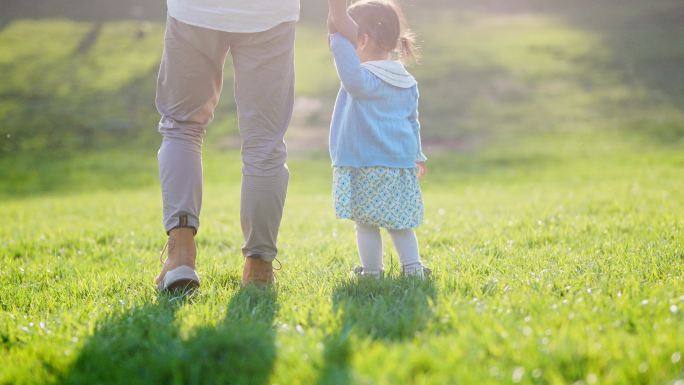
416,270
359,272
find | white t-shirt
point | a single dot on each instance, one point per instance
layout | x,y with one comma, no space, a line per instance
234,15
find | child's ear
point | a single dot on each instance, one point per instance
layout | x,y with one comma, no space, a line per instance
362,41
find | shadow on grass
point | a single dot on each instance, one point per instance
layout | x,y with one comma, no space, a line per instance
145,346
391,310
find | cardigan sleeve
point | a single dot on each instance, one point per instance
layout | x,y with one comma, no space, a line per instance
415,123
355,79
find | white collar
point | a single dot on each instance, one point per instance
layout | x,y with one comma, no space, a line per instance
391,71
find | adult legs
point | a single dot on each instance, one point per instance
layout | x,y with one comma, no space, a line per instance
188,90
264,94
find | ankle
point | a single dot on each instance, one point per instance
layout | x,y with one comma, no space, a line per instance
182,248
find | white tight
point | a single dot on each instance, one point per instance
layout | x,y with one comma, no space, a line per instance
369,244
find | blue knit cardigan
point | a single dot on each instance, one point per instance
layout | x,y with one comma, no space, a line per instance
375,121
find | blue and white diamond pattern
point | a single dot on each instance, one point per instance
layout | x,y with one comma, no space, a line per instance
380,196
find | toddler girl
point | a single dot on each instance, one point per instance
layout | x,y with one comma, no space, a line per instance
375,134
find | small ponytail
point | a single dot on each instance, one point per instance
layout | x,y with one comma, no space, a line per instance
408,50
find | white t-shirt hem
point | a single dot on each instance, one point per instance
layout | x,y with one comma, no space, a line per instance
263,28
206,17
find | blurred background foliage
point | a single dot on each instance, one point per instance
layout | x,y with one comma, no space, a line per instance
553,203
78,78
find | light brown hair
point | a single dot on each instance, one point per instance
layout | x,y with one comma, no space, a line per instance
384,23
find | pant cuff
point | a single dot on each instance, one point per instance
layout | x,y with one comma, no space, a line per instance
264,257
181,221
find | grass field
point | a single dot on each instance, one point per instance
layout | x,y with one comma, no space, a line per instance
548,270
554,218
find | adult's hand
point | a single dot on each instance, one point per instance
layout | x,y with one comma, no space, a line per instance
331,24
344,24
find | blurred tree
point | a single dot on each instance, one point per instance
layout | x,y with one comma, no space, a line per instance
84,10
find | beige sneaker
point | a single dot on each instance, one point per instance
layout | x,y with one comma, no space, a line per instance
416,270
359,272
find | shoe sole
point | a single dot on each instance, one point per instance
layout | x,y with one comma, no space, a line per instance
180,278
258,282
183,285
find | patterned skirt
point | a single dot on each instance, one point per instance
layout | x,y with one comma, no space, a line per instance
380,196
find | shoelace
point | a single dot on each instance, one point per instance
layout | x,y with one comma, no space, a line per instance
161,255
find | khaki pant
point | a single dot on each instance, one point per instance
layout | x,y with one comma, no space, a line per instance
188,90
